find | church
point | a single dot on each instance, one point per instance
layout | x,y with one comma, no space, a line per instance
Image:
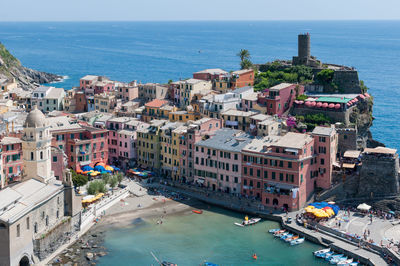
38,214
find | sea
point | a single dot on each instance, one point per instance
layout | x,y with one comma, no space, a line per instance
163,51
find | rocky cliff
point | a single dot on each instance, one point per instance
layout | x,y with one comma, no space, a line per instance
11,67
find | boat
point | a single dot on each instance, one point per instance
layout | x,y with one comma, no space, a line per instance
197,211
353,264
248,221
345,262
166,263
210,264
321,251
281,234
325,255
291,238
337,260
274,230
297,241
286,236
333,256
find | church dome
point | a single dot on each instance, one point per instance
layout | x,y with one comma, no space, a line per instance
35,118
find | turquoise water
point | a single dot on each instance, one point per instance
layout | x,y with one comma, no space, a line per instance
190,239
159,51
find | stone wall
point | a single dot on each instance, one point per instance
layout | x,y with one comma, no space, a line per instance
343,117
379,176
51,240
347,139
347,81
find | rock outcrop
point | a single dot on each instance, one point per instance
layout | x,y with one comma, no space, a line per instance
11,67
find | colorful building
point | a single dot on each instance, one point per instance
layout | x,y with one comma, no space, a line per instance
218,163
280,98
234,80
93,85
157,109
237,119
11,150
104,102
184,91
210,74
169,150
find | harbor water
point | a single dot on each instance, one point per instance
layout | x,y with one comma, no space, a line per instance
190,239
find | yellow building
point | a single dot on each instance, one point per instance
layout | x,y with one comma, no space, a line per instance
148,146
105,102
157,109
169,143
237,119
184,116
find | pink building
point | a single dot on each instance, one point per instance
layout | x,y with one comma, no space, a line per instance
283,171
189,135
57,162
11,150
114,125
280,98
218,163
95,85
128,93
210,74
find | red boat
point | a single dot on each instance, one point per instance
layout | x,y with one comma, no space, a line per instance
197,211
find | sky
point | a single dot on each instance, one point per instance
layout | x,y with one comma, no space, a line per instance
175,10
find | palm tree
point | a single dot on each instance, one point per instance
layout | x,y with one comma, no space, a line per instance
243,54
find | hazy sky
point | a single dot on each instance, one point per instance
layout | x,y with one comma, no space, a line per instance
103,10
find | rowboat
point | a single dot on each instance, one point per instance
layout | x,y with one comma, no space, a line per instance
197,211
297,241
333,256
210,264
345,262
324,255
291,238
286,236
273,230
321,251
248,222
279,232
337,259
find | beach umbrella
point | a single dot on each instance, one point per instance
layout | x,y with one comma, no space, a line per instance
331,105
108,171
367,95
325,105
104,172
355,100
86,168
308,104
109,168
301,102
117,169
391,212
313,103
331,202
99,168
337,106
361,96
363,207
101,164
296,101
319,104
79,171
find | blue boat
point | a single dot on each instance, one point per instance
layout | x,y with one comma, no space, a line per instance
286,236
210,264
333,256
325,255
273,230
335,260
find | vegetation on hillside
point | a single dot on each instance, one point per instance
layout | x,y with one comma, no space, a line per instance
311,121
274,73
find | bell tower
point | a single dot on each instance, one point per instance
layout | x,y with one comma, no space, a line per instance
36,146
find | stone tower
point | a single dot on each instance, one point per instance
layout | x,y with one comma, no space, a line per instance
304,52
36,147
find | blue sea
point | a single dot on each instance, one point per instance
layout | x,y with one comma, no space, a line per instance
160,51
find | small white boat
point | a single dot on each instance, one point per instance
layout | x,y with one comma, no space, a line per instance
337,260
273,230
321,251
248,222
345,262
353,264
297,241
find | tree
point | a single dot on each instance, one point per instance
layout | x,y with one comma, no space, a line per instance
246,64
325,77
96,187
78,180
243,54
119,177
106,178
113,181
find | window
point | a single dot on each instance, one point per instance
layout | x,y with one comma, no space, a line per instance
236,180
273,175
251,171
280,176
35,228
301,178
245,170
301,165
27,223
41,155
54,158
289,164
236,156
18,230
265,174
31,156
322,161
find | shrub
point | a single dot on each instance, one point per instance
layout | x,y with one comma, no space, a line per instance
96,187
79,180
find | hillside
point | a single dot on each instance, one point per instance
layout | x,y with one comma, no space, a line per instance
11,67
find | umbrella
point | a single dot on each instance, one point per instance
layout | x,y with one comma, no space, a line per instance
319,104
109,168
99,168
86,168
325,105
331,202
363,207
313,103
117,169
331,105
391,212
103,172
79,171
337,106
101,164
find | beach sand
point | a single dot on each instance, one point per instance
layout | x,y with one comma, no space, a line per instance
148,207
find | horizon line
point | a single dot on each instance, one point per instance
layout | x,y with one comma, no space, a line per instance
202,20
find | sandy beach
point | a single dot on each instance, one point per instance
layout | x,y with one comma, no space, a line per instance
152,208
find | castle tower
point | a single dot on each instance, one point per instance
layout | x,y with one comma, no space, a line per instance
36,147
304,46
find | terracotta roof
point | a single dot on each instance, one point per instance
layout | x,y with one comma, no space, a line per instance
156,103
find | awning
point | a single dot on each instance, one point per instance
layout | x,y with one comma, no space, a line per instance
363,207
200,180
349,165
352,154
336,164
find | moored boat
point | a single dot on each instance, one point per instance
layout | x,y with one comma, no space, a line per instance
337,260
345,262
297,241
273,230
210,264
326,255
291,238
197,211
286,236
328,258
280,232
248,221
321,251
